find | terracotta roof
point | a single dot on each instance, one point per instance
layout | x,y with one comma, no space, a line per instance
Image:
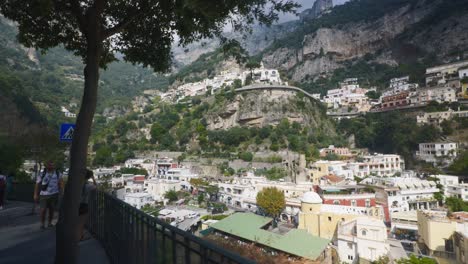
333,178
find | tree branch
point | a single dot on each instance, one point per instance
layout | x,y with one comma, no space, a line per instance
117,28
77,12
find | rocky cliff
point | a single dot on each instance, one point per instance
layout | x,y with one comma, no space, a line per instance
327,43
269,107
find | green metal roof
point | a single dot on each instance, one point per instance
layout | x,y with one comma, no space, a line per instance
296,242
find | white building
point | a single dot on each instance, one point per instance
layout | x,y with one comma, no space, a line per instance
362,239
158,187
67,113
349,94
138,200
439,94
442,153
263,75
436,118
446,181
440,74
242,193
459,191
378,165
403,194
399,85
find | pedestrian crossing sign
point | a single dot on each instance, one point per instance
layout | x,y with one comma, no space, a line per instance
66,132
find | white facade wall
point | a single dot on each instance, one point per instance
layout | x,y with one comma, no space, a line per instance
363,238
444,152
138,200
460,191
158,187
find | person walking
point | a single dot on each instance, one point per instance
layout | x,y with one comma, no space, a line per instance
49,184
3,186
83,211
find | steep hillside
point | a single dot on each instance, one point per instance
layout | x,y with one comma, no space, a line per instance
222,124
55,78
388,32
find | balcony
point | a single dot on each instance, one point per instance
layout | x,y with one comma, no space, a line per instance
130,236
122,232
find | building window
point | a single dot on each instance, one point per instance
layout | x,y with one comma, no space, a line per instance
336,202
353,202
364,232
329,218
350,245
368,203
350,257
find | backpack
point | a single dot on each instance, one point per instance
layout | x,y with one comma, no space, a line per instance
44,186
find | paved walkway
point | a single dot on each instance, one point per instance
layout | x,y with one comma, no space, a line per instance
22,241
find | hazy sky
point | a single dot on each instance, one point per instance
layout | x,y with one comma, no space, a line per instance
305,5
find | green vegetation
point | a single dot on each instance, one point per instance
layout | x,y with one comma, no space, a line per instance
389,133
417,260
272,174
271,201
136,171
246,156
213,217
171,195
456,204
460,165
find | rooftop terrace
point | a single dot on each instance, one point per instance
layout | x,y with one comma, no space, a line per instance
249,226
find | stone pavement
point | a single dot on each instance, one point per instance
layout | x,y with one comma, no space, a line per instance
22,241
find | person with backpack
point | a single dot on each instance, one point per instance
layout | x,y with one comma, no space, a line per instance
3,185
49,185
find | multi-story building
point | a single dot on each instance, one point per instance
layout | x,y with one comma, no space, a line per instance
378,165
399,85
322,219
439,94
437,232
158,187
344,152
436,118
138,200
347,195
399,194
395,100
364,240
441,74
348,95
438,153
458,190
242,193
324,167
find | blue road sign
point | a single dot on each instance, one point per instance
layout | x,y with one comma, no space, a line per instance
66,132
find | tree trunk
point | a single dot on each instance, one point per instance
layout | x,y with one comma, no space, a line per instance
66,237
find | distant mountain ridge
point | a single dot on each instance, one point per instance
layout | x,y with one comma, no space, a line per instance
387,32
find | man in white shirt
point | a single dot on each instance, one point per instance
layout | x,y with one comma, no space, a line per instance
49,184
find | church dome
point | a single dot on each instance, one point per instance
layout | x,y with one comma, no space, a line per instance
312,198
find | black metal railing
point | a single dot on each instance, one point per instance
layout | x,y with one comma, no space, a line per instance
23,192
130,236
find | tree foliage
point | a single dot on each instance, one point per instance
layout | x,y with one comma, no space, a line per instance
271,200
417,260
171,195
460,165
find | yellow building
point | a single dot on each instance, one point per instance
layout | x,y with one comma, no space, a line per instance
464,90
437,233
322,219
322,168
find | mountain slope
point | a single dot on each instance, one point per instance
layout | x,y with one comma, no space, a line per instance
55,78
387,32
